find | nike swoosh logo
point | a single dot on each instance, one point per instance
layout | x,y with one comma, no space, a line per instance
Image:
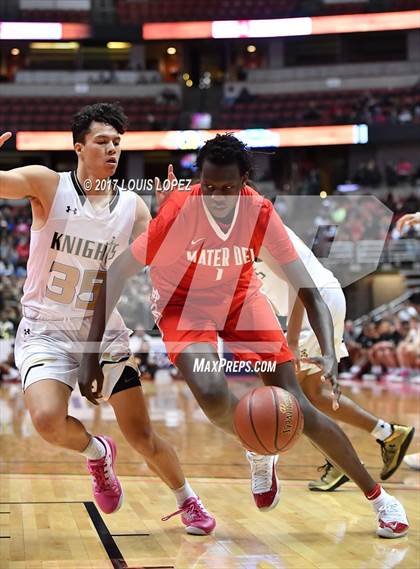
194,241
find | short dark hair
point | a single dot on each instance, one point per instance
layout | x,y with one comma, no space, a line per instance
223,150
107,113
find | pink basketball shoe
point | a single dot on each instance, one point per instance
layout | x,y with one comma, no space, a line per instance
195,517
106,487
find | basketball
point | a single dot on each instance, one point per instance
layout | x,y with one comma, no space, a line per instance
268,420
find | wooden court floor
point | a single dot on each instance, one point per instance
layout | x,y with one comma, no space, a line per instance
48,519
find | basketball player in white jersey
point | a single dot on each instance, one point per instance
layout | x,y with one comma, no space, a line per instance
394,439
75,233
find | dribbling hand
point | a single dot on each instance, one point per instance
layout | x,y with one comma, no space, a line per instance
90,372
329,366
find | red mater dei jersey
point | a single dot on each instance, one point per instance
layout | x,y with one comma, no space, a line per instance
192,256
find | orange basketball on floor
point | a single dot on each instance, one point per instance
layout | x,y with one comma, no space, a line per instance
268,420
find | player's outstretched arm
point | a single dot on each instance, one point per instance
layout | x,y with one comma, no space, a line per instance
124,267
320,320
318,314
25,182
280,255
294,325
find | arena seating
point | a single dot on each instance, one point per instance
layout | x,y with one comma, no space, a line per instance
176,10
179,10
55,16
332,107
135,11
263,111
54,113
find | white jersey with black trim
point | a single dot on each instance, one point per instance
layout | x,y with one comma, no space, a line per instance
68,252
277,289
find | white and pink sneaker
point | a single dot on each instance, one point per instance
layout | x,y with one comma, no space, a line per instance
106,487
195,517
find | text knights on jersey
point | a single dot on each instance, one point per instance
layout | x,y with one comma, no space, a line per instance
84,247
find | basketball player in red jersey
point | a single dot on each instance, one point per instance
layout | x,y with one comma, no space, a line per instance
201,248
73,232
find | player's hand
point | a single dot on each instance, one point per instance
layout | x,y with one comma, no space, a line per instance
163,193
4,137
408,219
329,366
294,347
90,373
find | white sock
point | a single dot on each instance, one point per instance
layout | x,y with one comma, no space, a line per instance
95,449
380,500
382,430
184,493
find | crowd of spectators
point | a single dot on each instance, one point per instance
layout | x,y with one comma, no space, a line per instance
352,220
14,251
388,347
402,172
384,108
396,185
375,107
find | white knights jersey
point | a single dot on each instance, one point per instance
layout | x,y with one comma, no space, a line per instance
277,289
65,255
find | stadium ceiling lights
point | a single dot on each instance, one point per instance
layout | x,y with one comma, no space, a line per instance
69,45
193,139
118,45
346,23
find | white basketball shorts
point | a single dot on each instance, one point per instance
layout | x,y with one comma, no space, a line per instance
308,344
54,350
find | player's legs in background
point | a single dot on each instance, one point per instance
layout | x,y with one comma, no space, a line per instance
134,421
348,412
394,439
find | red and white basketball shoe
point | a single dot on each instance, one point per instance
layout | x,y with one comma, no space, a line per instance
264,482
106,486
392,519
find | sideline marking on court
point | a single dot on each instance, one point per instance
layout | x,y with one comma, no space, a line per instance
111,548
114,554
